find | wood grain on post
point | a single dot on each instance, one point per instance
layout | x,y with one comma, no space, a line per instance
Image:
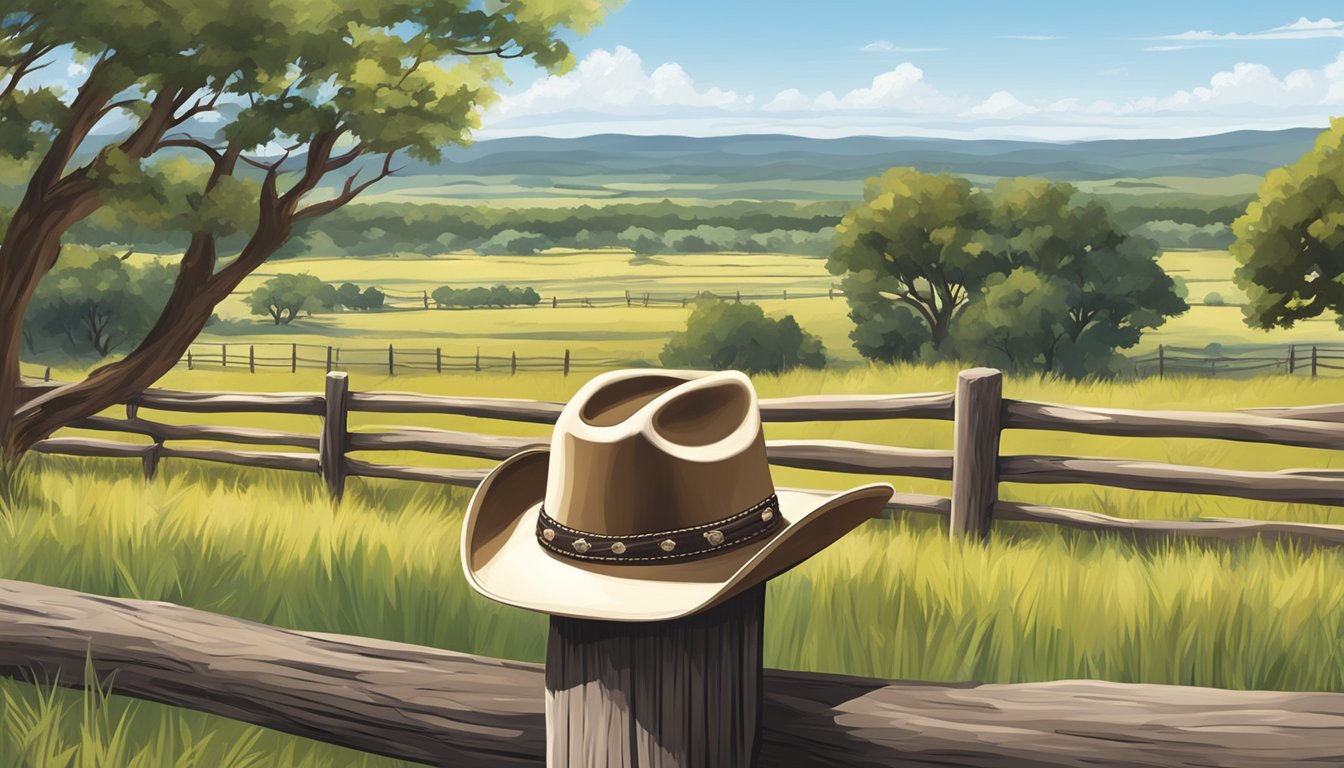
975,451
669,694
331,446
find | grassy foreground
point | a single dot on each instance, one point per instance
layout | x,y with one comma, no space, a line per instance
893,599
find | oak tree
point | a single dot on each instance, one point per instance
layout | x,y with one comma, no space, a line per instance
295,107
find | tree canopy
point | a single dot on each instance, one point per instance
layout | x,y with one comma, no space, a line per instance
721,335
1290,242
293,106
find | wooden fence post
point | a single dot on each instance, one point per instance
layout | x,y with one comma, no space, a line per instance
390,370
293,358
46,375
1161,361
786,294
1292,357
513,366
438,359
683,302
830,293
426,293
150,459
555,302
978,412
189,365
223,355
686,692
646,299
739,296
478,359
1313,361
328,358
331,444
251,358
566,362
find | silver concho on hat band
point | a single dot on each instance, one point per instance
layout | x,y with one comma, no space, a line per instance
678,544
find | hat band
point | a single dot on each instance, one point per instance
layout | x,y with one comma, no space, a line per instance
647,548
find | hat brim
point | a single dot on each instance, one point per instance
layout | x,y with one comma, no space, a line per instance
503,561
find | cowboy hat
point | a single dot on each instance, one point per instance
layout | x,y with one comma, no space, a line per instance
654,502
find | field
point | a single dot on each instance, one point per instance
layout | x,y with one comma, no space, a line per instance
638,333
894,599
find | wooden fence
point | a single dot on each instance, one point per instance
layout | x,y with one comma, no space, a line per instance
252,356
975,466
1294,359
423,299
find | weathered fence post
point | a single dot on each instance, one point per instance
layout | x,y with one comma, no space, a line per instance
150,459
1292,357
830,293
1161,361
786,294
328,358
189,364
1313,361
223,355
46,375
426,293
646,298
683,302
975,451
566,362
739,296
438,360
513,364
331,444
390,362
293,358
683,693
555,302
251,358
478,359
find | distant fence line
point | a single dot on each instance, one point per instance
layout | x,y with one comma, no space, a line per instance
975,466
424,300
1295,359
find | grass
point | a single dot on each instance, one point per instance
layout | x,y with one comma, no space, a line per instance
893,599
638,333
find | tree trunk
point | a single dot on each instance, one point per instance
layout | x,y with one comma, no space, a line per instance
670,694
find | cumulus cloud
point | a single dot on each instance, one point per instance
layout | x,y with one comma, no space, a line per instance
616,82
902,89
1002,104
75,69
1302,29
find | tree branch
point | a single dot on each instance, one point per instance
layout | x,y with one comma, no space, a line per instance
349,191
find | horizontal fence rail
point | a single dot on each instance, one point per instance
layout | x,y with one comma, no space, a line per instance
1319,427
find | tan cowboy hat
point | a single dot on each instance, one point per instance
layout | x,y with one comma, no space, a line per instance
653,502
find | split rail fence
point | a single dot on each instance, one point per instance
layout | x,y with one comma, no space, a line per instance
423,300
974,466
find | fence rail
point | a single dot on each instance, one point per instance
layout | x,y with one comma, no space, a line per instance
1293,359
975,465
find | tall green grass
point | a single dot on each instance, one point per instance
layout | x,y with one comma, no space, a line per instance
893,599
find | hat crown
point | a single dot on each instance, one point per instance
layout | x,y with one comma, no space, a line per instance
645,451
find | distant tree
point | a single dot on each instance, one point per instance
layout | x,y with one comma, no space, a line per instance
1017,322
283,296
1214,299
371,298
511,242
325,298
1290,242
723,335
348,296
641,241
917,239
497,296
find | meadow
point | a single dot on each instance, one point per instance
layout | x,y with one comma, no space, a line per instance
894,599
638,333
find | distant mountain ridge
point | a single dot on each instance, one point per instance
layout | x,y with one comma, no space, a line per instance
766,157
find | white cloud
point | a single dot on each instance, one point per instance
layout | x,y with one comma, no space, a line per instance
902,89
1002,104
615,82
886,46
1302,29
75,69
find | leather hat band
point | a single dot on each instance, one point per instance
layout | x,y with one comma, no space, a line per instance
648,548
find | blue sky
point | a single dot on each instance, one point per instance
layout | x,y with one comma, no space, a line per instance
1045,70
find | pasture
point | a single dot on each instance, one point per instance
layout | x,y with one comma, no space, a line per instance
638,333
895,598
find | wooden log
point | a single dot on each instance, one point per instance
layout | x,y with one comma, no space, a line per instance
444,441
466,478
666,694
332,445
1302,486
510,409
229,402
1332,412
92,446
845,456
296,462
1258,427
444,708
1221,528
162,431
975,445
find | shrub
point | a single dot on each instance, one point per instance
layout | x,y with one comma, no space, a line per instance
723,335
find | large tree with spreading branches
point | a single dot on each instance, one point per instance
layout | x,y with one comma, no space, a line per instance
292,108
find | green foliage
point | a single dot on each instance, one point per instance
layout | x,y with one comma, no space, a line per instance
94,304
1172,234
1029,276
723,335
511,242
283,296
1215,299
919,238
499,296
1290,243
